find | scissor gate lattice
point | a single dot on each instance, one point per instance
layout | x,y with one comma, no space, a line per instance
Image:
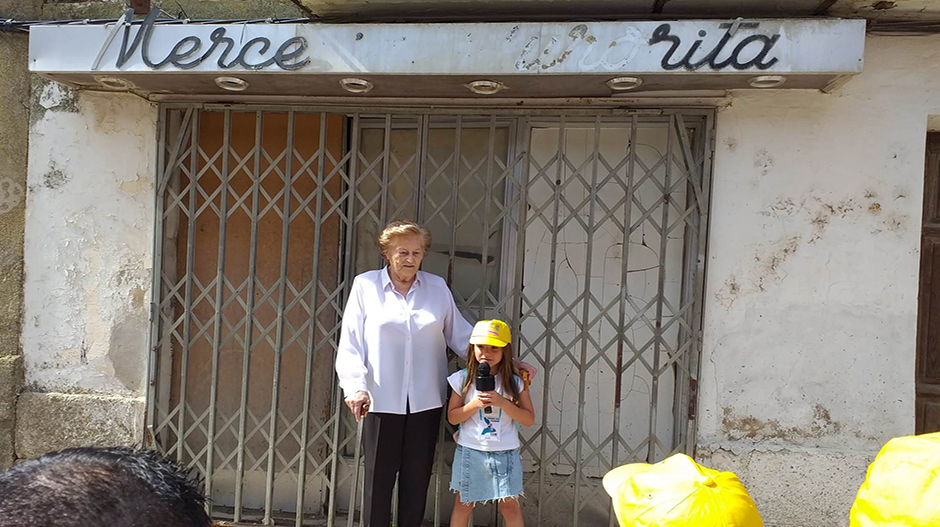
265,214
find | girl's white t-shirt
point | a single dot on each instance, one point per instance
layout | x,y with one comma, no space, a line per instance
488,432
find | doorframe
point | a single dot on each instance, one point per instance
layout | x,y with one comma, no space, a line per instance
930,235
524,119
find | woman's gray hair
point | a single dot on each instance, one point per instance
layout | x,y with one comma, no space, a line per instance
402,228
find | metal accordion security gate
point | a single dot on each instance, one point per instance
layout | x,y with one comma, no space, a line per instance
585,229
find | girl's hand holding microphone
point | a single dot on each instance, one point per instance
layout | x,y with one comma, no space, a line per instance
489,399
480,402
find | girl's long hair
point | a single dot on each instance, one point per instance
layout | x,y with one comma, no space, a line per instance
504,369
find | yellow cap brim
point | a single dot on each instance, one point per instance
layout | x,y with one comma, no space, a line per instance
488,341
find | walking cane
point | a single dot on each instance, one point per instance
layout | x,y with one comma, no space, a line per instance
355,485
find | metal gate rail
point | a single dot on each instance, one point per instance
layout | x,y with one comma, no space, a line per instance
586,229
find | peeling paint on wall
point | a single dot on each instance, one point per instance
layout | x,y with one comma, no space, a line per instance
814,215
54,178
739,427
763,162
48,95
810,311
822,211
88,241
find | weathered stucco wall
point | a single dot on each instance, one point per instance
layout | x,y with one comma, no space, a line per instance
810,311
811,297
14,125
90,195
89,237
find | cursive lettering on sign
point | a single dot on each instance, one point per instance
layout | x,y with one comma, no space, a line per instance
734,59
613,56
288,56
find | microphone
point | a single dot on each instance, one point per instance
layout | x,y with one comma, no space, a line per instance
485,382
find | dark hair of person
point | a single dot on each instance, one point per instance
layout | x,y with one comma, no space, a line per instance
110,486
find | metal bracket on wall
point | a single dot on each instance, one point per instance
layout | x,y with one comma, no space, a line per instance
121,22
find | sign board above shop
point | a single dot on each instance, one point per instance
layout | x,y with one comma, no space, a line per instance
515,60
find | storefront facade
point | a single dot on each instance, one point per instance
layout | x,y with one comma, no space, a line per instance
693,262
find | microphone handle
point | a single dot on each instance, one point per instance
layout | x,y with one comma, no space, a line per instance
486,384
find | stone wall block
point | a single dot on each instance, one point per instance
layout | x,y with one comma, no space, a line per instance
47,422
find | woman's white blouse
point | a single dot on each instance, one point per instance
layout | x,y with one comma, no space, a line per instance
395,347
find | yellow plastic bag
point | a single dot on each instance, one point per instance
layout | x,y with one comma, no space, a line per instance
902,488
678,492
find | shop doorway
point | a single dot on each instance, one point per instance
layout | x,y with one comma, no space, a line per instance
585,229
928,315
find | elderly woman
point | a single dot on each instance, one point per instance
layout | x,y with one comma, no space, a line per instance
392,366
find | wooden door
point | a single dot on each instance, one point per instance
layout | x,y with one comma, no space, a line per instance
928,316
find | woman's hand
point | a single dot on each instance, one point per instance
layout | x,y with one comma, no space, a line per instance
518,366
358,404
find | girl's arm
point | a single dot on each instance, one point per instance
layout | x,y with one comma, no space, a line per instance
457,412
521,412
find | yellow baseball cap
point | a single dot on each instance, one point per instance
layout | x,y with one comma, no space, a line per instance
490,333
902,487
679,492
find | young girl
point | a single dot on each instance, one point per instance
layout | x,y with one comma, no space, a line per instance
487,465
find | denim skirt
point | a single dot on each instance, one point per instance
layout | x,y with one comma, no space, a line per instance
486,476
